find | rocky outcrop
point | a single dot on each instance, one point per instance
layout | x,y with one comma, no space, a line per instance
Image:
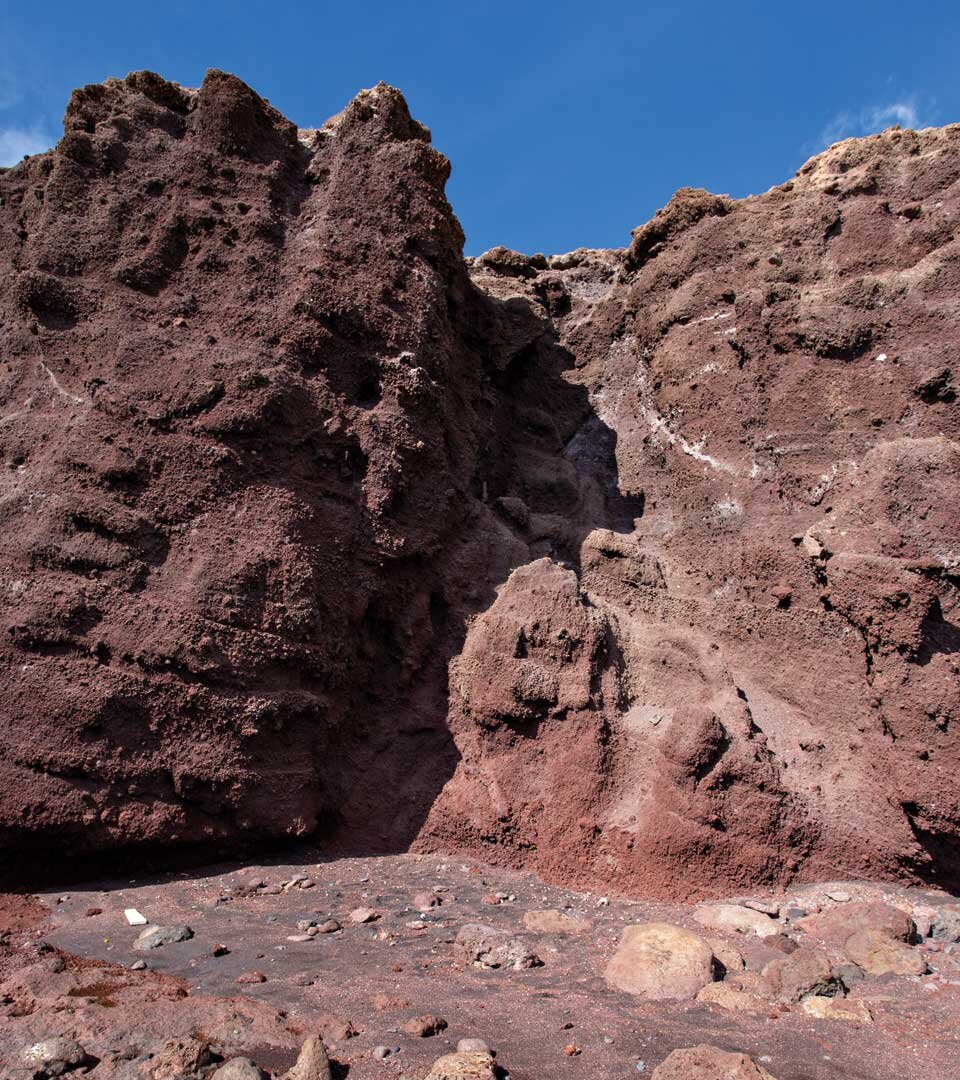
777,695
637,567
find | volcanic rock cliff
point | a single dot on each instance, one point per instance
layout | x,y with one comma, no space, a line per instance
637,567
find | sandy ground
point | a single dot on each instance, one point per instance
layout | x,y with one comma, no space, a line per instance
379,975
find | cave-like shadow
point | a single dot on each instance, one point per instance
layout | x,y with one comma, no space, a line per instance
548,472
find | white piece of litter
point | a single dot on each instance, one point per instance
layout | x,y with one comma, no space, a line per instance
134,918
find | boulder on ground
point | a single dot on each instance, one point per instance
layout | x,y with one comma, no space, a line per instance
155,936
54,1056
423,1027
877,954
493,948
239,1068
945,925
334,1028
727,955
474,1046
177,1057
729,996
660,962
708,1063
468,1065
838,923
830,1008
806,971
426,901
364,915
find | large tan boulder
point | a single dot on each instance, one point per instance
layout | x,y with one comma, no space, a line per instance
660,962
54,1056
829,1008
176,1057
877,954
708,1063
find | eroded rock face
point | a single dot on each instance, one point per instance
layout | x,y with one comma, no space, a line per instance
247,386
779,693
638,567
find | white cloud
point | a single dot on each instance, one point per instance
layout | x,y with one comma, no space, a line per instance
903,113
16,142
872,118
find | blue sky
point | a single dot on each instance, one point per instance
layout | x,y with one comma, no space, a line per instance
568,124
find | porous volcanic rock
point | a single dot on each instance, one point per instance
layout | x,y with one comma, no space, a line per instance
708,1063
636,567
660,962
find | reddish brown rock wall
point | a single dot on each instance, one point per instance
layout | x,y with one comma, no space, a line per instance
639,567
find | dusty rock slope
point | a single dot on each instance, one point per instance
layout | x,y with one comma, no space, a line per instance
635,567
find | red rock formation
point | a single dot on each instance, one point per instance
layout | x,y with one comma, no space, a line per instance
638,567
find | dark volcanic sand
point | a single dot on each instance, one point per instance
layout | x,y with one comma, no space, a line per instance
522,1014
